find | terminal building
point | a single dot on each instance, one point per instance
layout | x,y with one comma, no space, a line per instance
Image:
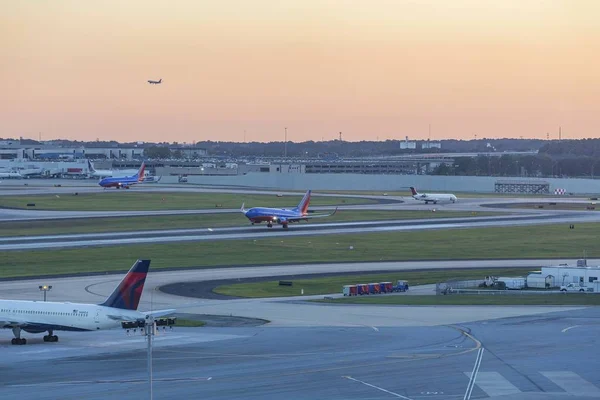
15,150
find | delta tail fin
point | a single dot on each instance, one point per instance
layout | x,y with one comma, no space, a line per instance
127,295
303,205
413,191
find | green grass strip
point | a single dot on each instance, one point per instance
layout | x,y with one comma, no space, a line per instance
543,241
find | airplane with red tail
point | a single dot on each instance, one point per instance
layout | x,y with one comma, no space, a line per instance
124,181
41,316
282,216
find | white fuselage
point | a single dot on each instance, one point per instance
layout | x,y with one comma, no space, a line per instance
63,316
4,174
101,173
435,197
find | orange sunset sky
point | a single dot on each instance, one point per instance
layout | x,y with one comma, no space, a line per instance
371,69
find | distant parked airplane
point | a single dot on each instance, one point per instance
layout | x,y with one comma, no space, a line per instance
155,82
10,174
124,181
41,316
99,173
433,197
281,215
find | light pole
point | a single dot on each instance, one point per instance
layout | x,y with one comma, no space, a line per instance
285,145
45,288
150,329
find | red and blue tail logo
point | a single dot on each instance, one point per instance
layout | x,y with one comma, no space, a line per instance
303,205
140,175
127,295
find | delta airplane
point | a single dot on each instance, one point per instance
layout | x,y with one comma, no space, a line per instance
155,82
433,197
42,316
124,181
99,173
282,216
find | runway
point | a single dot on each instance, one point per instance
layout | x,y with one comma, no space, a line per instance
261,231
319,363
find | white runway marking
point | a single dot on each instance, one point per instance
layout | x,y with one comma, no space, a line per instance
473,375
378,388
495,384
569,328
572,383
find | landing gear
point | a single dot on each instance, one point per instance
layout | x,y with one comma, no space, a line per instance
269,225
285,226
50,337
17,340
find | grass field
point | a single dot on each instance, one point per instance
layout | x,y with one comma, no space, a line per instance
544,241
333,284
143,201
470,299
119,224
189,323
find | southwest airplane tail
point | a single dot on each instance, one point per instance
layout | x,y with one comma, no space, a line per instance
303,205
140,174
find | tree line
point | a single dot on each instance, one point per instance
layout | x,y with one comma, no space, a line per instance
538,165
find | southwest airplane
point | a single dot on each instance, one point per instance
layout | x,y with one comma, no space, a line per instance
433,197
42,316
124,181
282,216
155,82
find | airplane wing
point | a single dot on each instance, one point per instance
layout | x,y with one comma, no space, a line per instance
160,313
155,314
308,216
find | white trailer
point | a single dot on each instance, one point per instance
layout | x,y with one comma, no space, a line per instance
513,282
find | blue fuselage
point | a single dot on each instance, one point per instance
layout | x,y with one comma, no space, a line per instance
277,215
119,182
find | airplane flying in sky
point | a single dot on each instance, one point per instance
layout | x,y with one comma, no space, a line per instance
282,216
124,181
155,82
42,316
433,197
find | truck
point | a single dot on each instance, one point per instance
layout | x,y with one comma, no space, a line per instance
401,286
572,287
